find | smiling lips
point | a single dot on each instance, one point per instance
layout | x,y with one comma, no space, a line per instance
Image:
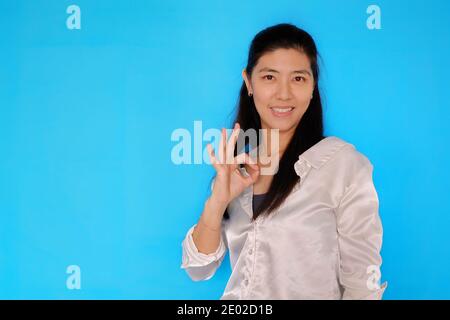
281,112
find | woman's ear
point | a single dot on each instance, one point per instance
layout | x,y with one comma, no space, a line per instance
247,81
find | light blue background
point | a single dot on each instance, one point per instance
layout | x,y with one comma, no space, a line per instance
86,117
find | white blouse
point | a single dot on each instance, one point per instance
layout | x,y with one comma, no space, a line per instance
323,242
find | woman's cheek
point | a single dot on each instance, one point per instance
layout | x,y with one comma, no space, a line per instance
265,96
304,98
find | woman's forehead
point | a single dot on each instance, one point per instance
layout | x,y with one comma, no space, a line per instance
283,60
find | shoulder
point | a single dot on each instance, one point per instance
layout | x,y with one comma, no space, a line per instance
348,165
333,151
337,159
349,156
333,161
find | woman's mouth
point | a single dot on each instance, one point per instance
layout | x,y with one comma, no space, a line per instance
281,112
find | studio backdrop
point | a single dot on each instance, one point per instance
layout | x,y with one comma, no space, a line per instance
96,96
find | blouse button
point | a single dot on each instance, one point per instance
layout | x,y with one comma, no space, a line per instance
250,251
246,282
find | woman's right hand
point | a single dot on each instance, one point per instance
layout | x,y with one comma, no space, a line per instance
229,182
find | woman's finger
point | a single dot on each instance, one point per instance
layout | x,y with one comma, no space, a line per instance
231,144
252,167
249,179
254,174
252,177
244,158
212,156
222,146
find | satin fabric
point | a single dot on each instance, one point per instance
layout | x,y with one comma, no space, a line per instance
324,241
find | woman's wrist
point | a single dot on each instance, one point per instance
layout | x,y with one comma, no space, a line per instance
216,205
213,213
215,226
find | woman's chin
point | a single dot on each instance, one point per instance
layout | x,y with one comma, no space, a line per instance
282,126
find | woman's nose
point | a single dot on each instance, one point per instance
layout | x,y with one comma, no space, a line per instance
284,91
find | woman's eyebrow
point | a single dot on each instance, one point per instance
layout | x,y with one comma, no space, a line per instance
302,71
275,71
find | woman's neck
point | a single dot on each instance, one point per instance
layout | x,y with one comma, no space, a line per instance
277,143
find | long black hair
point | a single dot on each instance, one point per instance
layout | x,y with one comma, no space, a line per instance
308,132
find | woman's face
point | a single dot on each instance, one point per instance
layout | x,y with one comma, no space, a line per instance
282,85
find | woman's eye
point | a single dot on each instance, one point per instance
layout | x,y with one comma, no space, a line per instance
300,79
268,77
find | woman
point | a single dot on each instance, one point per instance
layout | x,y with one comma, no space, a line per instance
310,230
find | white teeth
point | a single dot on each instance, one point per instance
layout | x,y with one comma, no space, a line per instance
282,110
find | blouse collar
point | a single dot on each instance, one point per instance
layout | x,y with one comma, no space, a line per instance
314,157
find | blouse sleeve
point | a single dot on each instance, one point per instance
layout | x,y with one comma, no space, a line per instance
360,235
198,265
